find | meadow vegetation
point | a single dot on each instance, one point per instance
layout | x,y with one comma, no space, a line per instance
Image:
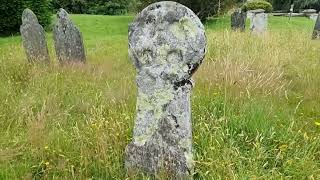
255,105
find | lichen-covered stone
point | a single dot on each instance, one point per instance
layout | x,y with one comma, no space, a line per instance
259,22
167,44
238,20
33,38
316,31
68,40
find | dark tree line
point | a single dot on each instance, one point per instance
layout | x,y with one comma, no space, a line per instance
11,10
203,8
105,7
298,4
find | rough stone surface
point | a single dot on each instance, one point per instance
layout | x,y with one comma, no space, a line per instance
256,11
68,40
251,13
259,23
238,20
316,31
33,38
167,44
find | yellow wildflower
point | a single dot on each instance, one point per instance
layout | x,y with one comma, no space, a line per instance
305,135
283,147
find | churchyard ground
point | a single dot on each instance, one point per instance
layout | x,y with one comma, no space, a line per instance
255,105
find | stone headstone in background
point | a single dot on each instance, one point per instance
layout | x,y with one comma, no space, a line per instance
259,21
291,11
314,17
33,38
251,13
238,20
68,40
167,45
316,31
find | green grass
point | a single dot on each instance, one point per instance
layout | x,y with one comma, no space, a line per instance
255,105
275,23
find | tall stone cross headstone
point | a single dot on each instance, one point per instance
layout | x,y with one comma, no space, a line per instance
316,31
259,21
68,40
33,38
167,44
238,20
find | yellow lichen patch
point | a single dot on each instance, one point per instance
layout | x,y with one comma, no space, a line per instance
189,159
155,103
141,140
184,28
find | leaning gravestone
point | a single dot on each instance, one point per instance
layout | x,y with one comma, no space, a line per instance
316,31
33,38
259,21
238,20
167,45
68,40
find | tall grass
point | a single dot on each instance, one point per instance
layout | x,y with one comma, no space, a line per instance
255,107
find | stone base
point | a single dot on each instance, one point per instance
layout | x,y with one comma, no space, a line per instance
160,155
316,34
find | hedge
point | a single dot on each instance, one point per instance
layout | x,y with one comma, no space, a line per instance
257,4
11,11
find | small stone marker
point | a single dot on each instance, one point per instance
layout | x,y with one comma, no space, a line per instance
314,17
291,11
238,20
68,40
167,44
33,38
259,21
316,31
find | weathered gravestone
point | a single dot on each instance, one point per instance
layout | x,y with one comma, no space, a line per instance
314,17
167,44
68,40
259,21
238,20
316,31
33,38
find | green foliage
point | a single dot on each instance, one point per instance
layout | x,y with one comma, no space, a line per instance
108,7
41,9
10,16
257,4
255,105
11,11
203,8
73,6
105,7
298,4
303,4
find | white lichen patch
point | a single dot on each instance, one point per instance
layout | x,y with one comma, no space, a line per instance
189,159
185,28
